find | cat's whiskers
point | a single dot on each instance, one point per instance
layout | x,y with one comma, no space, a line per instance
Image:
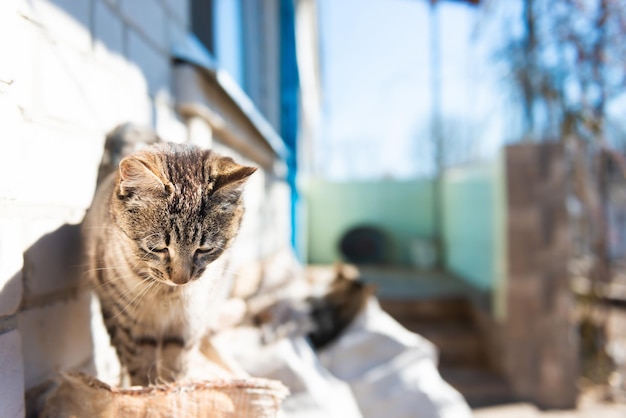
154,234
145,239
93,270
131,291
111,282
117,269
216,245
148,253
152,284
143,282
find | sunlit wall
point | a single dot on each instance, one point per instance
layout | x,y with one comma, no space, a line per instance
473,224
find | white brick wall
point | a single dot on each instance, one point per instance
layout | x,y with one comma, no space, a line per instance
150,61
61,77
108,28
55,337
10,264
70,71
66,22
11,376
179,10
167,123
148,18
50,267
50,172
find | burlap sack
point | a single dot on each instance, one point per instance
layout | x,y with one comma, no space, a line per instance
80,395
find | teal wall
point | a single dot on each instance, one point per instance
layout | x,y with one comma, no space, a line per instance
402,209
473,219
473,223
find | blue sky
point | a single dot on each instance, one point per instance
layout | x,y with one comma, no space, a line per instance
377,87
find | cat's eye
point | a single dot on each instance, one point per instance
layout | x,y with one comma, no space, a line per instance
206,251
160,250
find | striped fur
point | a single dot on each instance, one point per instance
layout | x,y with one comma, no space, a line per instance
156,240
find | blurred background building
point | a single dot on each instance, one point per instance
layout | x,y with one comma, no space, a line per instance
467,155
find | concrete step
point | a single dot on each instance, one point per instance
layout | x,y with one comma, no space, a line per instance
479,386
459,344
426,310
447,323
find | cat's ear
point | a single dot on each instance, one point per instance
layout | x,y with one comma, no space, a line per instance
230,176
138,173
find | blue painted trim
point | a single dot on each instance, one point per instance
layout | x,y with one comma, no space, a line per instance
192,51
289,105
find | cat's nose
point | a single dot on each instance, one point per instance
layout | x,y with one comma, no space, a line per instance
179,279
181,274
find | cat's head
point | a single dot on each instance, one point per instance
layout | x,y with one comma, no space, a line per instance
180,206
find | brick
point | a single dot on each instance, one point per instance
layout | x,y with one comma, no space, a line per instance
63,75
107,364
108,28
8,7
277,214
200,132
52,263
66,21
11,375
10,264
58,165
79,9
128,88
167,124
9,165
180,10
21,62
136,108
103,87
154,65
55,337
8,48
148,17
43,220
176,32
117,90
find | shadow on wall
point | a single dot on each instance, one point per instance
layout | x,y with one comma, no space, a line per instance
132,30
55,315
108,61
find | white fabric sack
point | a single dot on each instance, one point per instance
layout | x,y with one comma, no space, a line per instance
315,393
392,372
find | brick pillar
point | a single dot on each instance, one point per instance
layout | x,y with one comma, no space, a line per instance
541,342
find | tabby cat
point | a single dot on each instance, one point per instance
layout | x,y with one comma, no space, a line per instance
155,238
